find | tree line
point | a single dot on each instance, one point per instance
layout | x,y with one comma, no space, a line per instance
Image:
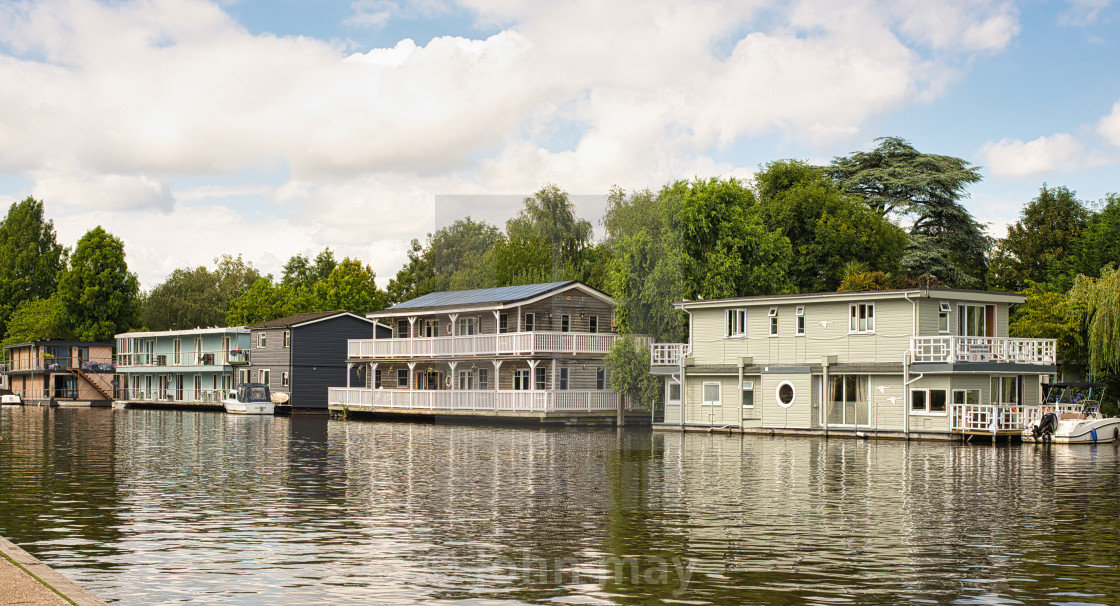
885,218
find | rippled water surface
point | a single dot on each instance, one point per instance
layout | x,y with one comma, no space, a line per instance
149,507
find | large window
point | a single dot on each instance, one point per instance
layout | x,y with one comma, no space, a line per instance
928,401
1007,390
711,394
468,326
736,322
521,379
975,320
847,400
861,318
431,328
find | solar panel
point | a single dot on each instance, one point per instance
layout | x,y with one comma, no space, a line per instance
479,296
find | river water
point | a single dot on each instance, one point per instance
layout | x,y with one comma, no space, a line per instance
152,507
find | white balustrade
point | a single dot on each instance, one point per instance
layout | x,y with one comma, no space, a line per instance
522,343
987,418
484,400
666,354
984,349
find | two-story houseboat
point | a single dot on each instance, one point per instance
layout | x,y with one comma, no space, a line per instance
194,367
901,363
61,373
532,352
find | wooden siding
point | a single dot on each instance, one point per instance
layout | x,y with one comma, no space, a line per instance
547,316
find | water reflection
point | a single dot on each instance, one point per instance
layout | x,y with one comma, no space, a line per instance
165,506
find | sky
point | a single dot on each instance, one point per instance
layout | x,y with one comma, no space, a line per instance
268,128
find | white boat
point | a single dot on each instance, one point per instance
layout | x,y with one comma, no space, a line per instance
10,398
250,399
1071,414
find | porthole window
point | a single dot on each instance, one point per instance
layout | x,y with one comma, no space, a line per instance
785,394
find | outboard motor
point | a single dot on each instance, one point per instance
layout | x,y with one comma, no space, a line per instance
1046,427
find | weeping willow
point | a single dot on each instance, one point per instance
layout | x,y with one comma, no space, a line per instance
1096,301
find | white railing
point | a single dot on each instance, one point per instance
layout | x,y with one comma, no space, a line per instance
183,358
524,343
139,394
984,349
987,418
493,400
667,354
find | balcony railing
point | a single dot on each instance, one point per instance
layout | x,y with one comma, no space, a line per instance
485,400
139,394
518,343
667,354
987,418
984,349
184,358
99,364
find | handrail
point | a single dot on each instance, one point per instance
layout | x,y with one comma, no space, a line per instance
490,400
524,343
951,349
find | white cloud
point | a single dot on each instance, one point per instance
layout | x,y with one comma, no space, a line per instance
1014,158
1082,12
1109,126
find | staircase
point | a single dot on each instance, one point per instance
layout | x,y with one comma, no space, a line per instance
95,384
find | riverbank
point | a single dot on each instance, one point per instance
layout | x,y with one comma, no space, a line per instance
26,580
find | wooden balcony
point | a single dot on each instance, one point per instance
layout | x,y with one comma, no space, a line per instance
950,350
516,343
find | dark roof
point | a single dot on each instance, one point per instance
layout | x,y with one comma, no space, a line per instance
504,294
304,318
62,343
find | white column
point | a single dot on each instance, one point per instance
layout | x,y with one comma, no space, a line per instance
454,382
497,372
453,317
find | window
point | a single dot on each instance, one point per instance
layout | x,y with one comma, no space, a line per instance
564,378
1006,390
711,395
503,323
862,318
593,324
264,375
600,378
466,379
966,396
284,379
177,349
402,377
773,321
262,340
227,384
377,379
748,394
468,326
540,378
402,329
675,392
736,322
521,379
565,323
529,318
785,394
431,328
928,401
287,338
847,401
943,311
799,328
242,376
973,320
483,378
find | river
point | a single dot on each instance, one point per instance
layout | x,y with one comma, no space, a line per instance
156,507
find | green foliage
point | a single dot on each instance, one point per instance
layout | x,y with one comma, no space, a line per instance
30,257
301,272
1051,315
350,286
1041,247
1096,304
38,319
826,228
266,300
631,214
189,298
628,365
896,179
549,218
856,277
462,253
645,278
99,294
1100,240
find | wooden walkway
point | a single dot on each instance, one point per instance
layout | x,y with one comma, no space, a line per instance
26,580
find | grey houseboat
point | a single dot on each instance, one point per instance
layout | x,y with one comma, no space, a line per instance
304,354
899,363
531,352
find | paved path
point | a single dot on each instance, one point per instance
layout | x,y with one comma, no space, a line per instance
26,580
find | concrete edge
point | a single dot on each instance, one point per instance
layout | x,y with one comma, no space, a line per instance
39,572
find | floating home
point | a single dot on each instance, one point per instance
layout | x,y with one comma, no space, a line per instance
305,354
901,363
180,368
533,353
61,373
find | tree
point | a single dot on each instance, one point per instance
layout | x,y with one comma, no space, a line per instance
549,216
827,229
896,179
351,286
466,246
300,271
628,367
1041,247
188,298
99,294
1099,244
1051,315
235,276
30,257
38,319
265,300
645,278
1096,304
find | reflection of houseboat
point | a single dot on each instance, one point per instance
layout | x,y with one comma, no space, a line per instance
61,373
1071,414
905,363
531,352
194,367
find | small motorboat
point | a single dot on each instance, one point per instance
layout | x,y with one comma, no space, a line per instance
1071,414
7,397
250,399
